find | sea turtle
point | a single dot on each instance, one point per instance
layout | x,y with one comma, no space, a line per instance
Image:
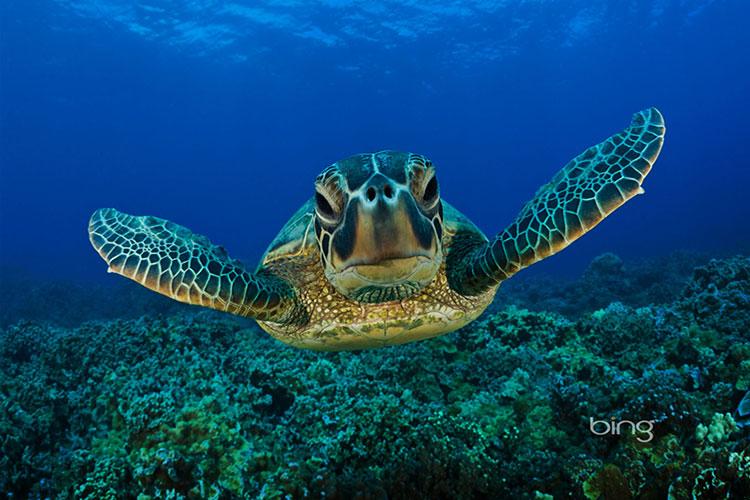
375,257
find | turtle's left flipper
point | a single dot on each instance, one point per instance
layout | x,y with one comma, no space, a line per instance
585,191
170,259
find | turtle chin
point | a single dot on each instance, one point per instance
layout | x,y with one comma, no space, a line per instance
386,280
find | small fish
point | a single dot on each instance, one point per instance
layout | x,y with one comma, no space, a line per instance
743,411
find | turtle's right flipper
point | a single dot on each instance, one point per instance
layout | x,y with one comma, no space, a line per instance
170,259
589,188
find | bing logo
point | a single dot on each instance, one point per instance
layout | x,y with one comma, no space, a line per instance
642,429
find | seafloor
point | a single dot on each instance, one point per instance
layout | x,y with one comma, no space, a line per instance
187,404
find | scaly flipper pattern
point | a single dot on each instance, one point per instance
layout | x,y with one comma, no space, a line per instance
582,194
170,259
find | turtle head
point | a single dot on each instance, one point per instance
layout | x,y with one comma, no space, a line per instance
379,225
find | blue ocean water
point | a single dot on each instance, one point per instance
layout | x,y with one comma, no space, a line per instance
220,115
619,368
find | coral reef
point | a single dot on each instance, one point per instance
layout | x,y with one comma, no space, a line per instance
631,400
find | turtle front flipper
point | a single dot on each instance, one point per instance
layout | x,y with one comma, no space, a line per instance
582,194
170,259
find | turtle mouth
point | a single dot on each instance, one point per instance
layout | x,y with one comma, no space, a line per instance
389,271
386,279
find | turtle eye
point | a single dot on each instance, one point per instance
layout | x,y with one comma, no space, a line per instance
324,207
430,191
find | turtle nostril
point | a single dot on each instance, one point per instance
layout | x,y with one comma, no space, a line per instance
388,191
371,193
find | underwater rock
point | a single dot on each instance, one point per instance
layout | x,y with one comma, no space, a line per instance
718,295
66,303
654,281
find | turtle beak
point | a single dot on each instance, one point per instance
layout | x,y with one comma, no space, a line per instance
385,236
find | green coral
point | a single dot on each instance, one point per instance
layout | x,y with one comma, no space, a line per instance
721,426
607,483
